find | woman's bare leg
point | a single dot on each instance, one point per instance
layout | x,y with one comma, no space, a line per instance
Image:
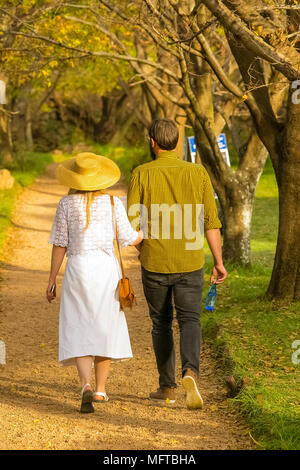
102,366
84,367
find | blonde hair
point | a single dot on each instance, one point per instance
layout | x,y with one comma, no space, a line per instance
89,197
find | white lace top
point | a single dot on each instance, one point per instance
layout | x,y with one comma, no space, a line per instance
70,221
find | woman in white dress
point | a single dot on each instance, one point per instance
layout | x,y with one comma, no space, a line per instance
92,327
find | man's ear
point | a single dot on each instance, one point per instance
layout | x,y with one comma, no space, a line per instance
152,142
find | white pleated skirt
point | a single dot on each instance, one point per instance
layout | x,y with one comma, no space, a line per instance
90,320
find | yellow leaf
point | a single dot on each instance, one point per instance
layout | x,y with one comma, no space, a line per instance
213,408
260,398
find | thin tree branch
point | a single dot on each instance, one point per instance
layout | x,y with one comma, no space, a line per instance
249,39
107,55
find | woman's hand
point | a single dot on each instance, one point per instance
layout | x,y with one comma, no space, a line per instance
51,295
58,253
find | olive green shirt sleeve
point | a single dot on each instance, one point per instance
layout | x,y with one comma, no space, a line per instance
211,219
134,201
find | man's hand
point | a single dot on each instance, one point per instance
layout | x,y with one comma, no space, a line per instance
218,274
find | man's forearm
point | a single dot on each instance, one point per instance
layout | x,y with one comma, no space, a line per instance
214,241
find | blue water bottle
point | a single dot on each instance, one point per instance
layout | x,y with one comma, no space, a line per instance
211,298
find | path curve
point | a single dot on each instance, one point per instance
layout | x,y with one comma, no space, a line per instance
39,399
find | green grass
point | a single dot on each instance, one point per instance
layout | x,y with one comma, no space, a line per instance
24,169
29,166
254,336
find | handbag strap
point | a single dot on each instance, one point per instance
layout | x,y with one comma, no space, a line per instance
116,230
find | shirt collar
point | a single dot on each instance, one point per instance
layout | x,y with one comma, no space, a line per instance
167,154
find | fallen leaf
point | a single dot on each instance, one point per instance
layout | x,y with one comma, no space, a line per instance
260,398
213,408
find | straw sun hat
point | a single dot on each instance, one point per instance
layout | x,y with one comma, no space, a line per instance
88,171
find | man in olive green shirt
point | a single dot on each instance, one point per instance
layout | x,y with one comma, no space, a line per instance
172,201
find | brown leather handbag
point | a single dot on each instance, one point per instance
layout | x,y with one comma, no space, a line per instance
126,293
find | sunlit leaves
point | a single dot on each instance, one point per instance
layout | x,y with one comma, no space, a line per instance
27,57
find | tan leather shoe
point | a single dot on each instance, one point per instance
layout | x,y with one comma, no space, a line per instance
165,394
193,397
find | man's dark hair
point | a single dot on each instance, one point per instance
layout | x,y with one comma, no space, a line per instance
165,133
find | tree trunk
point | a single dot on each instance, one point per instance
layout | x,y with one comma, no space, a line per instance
28,127
5,138
119,136
237,223
285,280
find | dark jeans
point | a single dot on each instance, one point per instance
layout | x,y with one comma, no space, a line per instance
187,293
